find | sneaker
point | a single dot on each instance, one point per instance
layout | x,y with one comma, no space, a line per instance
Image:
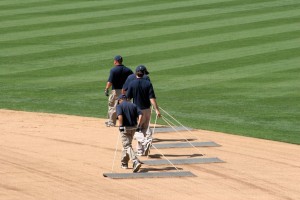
147,148
124,165
136,166
139,153
109,124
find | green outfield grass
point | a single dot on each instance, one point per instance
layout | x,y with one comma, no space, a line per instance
224,65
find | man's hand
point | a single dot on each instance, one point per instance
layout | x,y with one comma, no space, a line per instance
122,129
138,129
158,113
106,92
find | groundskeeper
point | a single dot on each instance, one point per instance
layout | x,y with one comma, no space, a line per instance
129,117
142,93
117,77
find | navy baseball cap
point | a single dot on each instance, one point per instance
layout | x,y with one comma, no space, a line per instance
122,96
118,58
142,68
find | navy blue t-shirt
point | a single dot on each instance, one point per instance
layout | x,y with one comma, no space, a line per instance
118,76
141,91
131,78
130,113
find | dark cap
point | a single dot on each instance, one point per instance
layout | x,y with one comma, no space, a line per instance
142,68
122,96
118,58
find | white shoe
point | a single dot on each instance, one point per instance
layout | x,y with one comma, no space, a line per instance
136,166
139,153
109,124
147,148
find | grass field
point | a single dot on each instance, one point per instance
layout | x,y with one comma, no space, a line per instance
223,65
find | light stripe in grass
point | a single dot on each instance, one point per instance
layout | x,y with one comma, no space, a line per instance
197,26
147,19
147,51
199,16
224,75
226,54
63,6
174,46
183,61
280,125
118,11
189,27
18,2
68,45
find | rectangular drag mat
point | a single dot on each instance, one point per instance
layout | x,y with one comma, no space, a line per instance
182,161
149,175
170,129
185,145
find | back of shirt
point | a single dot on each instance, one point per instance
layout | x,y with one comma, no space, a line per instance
118,76
141,90
130,78
130,113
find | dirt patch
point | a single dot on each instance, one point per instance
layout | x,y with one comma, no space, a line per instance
48,156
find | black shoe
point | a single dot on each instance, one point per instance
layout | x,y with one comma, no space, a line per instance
124,165
136,166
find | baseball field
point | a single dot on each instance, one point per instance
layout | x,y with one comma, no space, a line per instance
218,66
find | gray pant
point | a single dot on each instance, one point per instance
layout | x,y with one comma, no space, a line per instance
145,129
127,151
112,103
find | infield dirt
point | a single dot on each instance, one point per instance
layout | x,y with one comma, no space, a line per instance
49,156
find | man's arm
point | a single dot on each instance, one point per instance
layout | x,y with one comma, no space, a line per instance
120,119
139,119
122,128
108,85
153,102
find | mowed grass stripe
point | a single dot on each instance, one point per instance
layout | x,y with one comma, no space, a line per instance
109,20
93,70
148,21
89,43
258,34
154,51
68,42
230,74
219,65
216,65
55,78
205,25
232,28
64,6
213,7
6,4
167,63
116,11
200,26
170,20
70,47
192,15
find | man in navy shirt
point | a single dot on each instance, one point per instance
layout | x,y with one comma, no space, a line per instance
129,117
142,93
133,77
116,79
